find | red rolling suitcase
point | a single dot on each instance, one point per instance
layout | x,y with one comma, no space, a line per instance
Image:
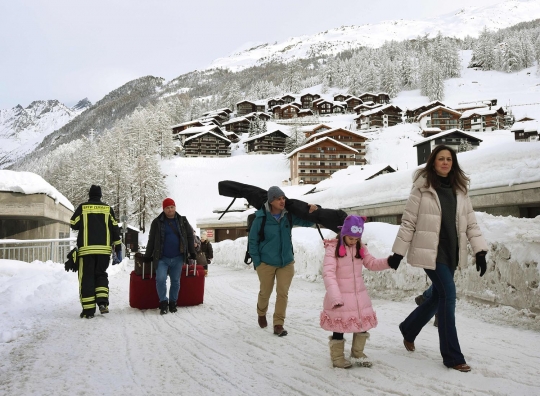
142,292
191,285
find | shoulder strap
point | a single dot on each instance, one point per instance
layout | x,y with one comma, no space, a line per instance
223,214
261,230
289,217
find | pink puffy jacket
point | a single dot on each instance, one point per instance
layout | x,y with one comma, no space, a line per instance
345,285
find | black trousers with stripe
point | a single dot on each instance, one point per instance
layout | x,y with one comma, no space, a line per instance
93,281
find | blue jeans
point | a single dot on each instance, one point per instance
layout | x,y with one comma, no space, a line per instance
443,302
427,293
172,266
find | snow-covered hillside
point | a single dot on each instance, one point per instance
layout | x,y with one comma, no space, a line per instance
22,129
518,91
466,21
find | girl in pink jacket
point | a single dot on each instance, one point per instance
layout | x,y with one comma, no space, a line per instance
347,306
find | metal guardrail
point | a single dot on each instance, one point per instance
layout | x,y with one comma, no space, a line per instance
55,250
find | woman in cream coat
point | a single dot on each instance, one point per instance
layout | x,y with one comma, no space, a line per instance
437,222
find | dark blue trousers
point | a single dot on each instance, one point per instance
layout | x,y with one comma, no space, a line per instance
443,302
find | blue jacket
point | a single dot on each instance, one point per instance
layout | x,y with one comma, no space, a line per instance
276,249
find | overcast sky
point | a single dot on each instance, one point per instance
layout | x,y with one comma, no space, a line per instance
69,49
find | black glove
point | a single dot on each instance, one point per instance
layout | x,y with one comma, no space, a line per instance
481,262
193,256
394,260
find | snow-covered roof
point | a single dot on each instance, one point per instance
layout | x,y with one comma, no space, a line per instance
235,120
439,135
326,132
258,114
30,183
359,172
204,133
265,134
283,106
306,111
432,129
377,109
435,109
526,126
477,105
429,104
369,93
195,130
351,98
186,123
480,112
315,142
120,224
311,128
367,105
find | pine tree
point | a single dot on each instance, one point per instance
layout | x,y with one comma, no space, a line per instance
483,53
295,140
464,145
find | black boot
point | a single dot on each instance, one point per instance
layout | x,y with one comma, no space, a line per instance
163,307
419,300
172,306
86,315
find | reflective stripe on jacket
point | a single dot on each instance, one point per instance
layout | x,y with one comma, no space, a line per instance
97,226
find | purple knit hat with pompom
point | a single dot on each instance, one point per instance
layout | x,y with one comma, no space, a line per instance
353,226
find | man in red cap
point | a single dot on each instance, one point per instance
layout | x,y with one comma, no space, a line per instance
170,244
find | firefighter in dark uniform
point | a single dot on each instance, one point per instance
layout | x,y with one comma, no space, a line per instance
98,231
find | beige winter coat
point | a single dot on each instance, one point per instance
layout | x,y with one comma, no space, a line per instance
421,224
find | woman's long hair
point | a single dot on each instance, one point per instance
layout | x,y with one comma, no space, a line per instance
458,179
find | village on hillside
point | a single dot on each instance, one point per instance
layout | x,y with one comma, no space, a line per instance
294,124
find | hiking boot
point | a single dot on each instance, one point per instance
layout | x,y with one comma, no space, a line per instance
163,307
280,331
262,321
103,309
172,306
436,323
86,315
464,368
419,300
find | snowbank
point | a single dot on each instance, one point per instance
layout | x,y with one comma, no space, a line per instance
30,183
512,277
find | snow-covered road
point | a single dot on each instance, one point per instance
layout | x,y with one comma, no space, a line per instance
218,348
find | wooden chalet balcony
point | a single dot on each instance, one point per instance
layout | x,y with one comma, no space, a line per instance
324,166
318,174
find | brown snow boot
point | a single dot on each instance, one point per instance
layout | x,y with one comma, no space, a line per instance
357,349
337,354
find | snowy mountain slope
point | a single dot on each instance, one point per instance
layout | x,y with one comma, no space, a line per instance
22,129
518,90
466,21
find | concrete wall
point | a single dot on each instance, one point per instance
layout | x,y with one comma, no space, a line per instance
503,201
32,216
